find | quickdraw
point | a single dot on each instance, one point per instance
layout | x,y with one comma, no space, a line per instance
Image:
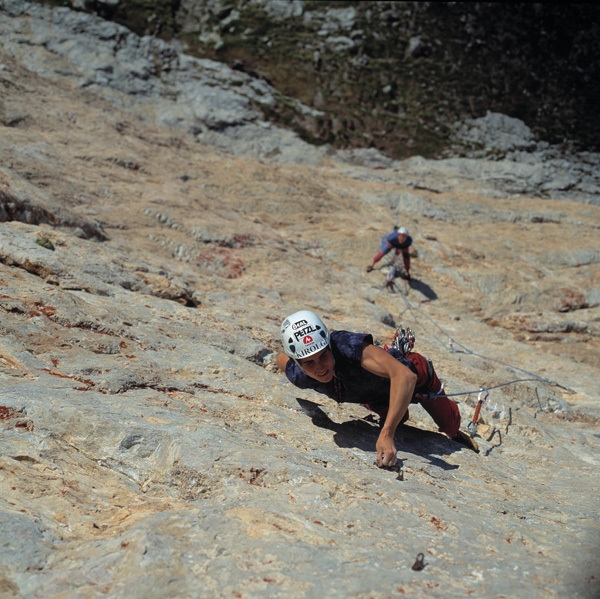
472,426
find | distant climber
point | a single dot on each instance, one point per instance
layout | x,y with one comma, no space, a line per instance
348,367
400,240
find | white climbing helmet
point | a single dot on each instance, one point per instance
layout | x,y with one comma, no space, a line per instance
402,231
303,334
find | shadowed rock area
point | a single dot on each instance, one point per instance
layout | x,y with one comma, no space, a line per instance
150,247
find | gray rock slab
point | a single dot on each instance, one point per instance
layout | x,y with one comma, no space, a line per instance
148,445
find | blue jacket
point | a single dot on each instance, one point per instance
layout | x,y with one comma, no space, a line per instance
391,241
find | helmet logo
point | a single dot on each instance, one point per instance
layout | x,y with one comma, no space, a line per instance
299,324
305,331
303,334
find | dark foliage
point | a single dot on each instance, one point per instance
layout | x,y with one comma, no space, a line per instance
539,62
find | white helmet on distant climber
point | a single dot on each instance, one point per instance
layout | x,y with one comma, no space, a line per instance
402,231
303,334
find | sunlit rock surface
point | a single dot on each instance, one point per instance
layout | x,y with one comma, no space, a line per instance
149,447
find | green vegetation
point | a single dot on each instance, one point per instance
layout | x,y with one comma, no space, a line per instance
539,62
45,243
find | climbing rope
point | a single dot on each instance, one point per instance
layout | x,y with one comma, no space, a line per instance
482,392
465,350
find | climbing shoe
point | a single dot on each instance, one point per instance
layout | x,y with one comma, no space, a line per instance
466,440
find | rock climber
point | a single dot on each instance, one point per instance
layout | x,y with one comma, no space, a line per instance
400,240
348,367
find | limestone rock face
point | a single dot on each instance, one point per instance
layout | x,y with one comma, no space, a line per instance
149,446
